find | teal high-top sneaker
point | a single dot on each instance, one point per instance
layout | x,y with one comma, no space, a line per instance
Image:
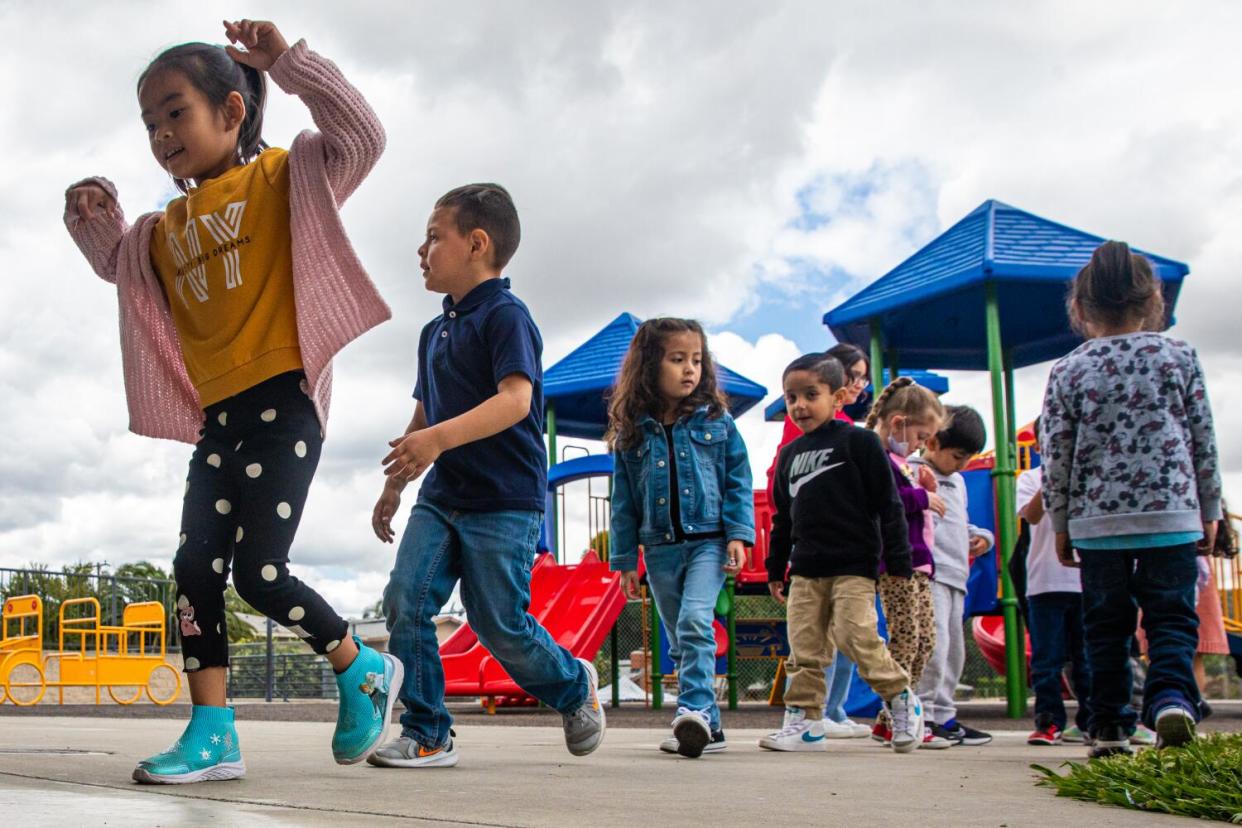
367,689
206,752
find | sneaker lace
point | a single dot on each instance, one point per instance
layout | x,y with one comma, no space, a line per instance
901,717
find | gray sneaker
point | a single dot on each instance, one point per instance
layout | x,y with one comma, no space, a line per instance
584,727
407,753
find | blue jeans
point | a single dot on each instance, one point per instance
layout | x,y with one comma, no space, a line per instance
492,554
1056,625
838,675
685,580
1116,583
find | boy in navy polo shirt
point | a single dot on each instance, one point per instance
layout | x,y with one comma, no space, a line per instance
478,426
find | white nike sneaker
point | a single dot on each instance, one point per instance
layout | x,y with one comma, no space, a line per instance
798,734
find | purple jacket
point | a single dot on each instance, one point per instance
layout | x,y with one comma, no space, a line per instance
914,499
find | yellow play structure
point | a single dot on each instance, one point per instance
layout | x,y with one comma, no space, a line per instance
126,659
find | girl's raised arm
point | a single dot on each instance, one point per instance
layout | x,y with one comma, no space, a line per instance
96,223
351,136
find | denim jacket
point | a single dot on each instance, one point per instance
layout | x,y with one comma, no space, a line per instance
713,477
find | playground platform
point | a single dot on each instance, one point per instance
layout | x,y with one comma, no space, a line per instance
65,770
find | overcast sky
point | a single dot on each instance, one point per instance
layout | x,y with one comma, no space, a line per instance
665,158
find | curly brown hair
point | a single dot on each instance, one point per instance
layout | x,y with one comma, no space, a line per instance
904,396
637,392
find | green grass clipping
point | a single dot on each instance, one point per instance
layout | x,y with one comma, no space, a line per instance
1202,779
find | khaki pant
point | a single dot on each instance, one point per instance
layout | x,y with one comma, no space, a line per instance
841,610
911,617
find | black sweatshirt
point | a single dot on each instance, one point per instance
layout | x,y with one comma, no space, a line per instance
837,506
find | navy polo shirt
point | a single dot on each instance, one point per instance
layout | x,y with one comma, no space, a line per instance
463,354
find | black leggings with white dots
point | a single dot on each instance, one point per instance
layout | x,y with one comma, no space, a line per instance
248,480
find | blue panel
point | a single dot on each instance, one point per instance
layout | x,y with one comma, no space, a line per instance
981,585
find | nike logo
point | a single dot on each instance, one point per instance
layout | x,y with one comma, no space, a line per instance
797,485
807,737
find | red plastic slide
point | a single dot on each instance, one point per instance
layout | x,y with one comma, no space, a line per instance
578,604
989,633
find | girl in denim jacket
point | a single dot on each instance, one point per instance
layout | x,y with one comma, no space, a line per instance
681,490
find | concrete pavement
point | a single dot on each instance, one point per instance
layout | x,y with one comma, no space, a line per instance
75,771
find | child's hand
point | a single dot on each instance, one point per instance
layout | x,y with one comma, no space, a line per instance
387,505
629,583
1207,545
936,503
927,480
1065,552
412,455
978,546
777,588
83,201
263,41
735,557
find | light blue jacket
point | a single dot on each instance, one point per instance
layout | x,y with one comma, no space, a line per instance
713,480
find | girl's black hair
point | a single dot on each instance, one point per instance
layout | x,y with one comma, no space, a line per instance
211,71
1116,287
826,368
962,429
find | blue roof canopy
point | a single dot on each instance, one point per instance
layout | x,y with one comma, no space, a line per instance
938,383
931,306
576,385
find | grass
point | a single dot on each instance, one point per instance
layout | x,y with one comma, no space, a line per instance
1202,780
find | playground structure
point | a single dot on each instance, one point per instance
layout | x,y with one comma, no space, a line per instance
126,660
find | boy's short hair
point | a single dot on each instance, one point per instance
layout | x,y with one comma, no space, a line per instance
963,429
825,367
490,208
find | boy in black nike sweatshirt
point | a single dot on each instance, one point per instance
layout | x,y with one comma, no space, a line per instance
837,507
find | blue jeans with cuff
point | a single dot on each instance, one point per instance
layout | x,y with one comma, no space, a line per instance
1055,620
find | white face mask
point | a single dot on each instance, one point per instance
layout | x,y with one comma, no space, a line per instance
896,446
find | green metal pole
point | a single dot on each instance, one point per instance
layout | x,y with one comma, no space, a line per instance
1011,415
554,542
877,359
1003,481
653,666
731,626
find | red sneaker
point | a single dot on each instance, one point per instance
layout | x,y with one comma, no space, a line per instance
1049,735
932,741
882,733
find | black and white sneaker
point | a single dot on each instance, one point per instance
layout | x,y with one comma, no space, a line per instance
716,744
1110,740
693,732
1175,727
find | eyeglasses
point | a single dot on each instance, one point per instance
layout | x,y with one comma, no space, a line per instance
858,379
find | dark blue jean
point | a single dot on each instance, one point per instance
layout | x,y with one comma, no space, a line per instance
1055,620
1116,584
492,554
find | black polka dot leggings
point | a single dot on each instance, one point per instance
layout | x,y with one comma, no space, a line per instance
243,499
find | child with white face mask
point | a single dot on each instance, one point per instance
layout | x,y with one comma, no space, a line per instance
905,416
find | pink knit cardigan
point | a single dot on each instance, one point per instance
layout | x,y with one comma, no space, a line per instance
335,300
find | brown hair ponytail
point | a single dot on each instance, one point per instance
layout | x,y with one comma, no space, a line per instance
1115,288
903,396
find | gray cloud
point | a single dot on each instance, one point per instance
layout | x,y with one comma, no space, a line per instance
655,151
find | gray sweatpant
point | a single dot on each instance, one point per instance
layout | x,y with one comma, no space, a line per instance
944,668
